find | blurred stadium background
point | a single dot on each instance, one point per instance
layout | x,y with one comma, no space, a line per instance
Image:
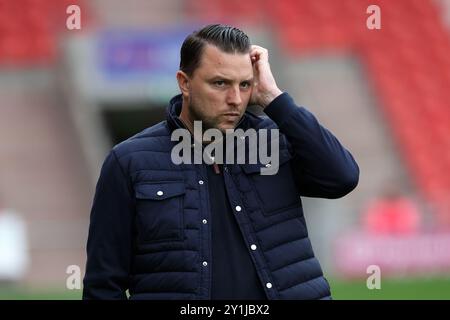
67,96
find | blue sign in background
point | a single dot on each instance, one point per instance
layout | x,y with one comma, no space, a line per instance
140,53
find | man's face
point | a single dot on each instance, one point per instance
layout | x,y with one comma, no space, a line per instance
220,88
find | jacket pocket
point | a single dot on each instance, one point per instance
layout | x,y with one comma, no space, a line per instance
159,207
277,192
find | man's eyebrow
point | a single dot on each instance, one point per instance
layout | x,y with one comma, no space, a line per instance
224,78
219,77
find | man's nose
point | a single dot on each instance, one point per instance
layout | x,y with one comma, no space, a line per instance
234,96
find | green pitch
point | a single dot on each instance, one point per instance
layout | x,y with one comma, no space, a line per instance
403,289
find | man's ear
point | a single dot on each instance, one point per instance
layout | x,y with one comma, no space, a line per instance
183,82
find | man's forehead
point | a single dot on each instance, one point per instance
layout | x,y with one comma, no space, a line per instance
217,61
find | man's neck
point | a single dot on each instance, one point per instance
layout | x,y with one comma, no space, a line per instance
185,119
188,123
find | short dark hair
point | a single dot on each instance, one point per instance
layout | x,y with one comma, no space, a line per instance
226,38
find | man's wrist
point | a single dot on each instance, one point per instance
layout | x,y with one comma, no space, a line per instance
269,97
280,109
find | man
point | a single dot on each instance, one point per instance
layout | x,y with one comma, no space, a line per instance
220,231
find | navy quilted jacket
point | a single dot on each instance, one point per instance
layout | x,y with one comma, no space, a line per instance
149,231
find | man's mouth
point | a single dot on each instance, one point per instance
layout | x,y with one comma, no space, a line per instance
232,115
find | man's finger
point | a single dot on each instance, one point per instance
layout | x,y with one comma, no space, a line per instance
260,55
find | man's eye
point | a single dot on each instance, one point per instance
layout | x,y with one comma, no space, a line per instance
245,85
219,83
